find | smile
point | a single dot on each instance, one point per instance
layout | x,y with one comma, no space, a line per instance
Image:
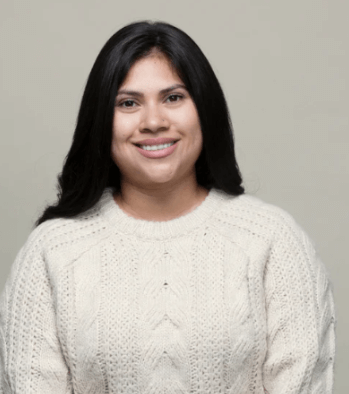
156,147
157,151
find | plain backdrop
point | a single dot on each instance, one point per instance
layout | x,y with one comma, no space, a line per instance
283,66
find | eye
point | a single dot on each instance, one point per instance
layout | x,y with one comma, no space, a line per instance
175,96
127,102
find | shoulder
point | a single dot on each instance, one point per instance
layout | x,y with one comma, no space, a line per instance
54,244
68,237
251,215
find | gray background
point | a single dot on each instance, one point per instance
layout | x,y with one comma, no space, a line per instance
283,66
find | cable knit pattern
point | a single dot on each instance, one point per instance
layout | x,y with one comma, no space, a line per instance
230,298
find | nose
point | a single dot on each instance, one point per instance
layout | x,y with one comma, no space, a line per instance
154,119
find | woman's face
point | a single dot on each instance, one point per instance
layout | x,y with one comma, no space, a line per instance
143,110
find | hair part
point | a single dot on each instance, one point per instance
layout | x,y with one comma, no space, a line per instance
88,167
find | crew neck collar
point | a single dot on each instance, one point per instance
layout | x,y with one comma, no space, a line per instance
141,228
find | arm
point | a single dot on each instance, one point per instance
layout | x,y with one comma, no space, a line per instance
31,360
300,316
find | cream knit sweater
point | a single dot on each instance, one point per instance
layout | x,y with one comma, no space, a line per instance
229,298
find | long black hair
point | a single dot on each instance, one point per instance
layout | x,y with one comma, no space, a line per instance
88,167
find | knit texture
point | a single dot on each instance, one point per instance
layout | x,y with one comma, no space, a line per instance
230,298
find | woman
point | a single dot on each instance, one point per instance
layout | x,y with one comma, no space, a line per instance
155,271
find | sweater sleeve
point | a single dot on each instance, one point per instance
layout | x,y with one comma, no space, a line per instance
31,359
300,316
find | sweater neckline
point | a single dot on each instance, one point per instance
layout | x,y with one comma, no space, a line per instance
141,228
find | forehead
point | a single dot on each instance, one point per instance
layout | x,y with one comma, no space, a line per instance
153,70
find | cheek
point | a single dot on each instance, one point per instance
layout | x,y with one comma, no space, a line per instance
189,119
122,128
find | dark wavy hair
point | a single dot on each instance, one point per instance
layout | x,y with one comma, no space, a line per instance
88,167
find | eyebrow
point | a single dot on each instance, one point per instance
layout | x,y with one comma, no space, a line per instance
140,94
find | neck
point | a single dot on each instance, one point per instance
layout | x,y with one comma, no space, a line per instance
160,205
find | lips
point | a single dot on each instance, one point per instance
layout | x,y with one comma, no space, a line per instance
156,141
157,154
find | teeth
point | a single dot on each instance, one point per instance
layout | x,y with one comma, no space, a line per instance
156,147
